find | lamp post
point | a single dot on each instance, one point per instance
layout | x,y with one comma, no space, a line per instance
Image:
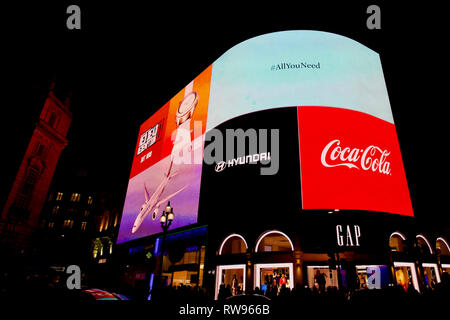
166,220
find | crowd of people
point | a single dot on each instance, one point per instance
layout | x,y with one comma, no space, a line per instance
274,284
320,294
279,291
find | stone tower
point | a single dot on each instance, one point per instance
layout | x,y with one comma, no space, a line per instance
20,215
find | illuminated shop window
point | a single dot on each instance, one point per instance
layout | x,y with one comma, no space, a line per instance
405,275
442,247
233,244
83,225
397,242
89,200
274,276
59,196
226,275
75,197
55,209
431,275
191,256
274,240
202,265
372,276
320,277
97,248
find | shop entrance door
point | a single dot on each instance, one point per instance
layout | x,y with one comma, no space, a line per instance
272,276
230,279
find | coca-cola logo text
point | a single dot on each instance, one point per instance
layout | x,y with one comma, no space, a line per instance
371,158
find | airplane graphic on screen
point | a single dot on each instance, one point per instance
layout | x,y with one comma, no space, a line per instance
152,203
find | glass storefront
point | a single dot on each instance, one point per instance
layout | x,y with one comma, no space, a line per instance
272,278
233,279
321,277
184,268
405,275
184,277
430,275
372,276
230,280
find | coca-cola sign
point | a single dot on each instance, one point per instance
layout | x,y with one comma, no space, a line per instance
371,158
350,160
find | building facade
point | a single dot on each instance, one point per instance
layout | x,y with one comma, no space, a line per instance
286,151
79,226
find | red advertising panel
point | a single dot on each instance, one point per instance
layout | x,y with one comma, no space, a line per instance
150,142
167,163
157,134
350,160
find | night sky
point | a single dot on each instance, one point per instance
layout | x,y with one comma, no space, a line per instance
129,59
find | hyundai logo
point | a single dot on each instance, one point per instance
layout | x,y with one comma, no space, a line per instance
220,166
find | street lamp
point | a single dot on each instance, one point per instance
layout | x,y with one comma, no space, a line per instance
166,217
166,220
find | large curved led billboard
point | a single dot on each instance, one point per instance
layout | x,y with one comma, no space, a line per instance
347,142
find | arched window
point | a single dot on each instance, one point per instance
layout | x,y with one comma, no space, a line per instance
233,244
424,245
107,245
97,248
397,242
442,246
272,241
